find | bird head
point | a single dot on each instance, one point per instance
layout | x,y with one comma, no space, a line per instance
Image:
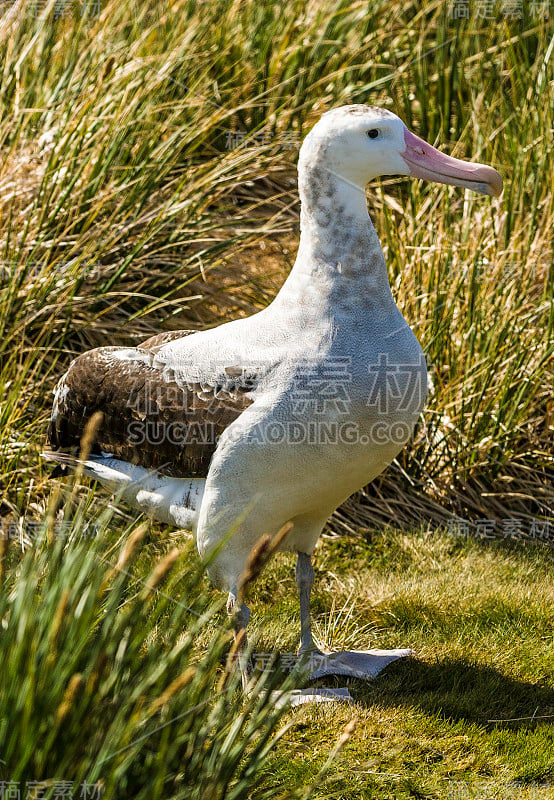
359,143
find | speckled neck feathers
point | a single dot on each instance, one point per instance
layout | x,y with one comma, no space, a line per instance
339,251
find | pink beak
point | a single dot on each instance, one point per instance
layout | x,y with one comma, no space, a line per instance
429,163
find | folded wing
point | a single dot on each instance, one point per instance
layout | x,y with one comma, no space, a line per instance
152,415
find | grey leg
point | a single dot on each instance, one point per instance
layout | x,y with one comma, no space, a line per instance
305,581
241,614
355,664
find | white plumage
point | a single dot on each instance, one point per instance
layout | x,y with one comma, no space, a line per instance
321,389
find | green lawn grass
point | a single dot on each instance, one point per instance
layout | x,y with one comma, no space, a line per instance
471,714
124,212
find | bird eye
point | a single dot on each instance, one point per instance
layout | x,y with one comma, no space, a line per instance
373,133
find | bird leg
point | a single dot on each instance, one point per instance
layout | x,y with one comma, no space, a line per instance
240,614
351,663
305,581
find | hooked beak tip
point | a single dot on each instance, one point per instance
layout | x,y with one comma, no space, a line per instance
495,183
425,161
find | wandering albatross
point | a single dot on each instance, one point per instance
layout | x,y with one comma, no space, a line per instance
281,416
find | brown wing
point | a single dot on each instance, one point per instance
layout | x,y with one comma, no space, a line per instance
154,343
149,418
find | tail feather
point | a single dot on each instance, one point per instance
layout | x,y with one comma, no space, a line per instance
175,501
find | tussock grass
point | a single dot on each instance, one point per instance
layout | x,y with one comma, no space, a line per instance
124,212
106,681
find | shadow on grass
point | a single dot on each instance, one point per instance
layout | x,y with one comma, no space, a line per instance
459,690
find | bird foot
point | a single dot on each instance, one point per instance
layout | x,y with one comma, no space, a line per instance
298,697
364,664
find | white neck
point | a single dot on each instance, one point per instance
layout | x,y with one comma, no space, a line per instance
339,252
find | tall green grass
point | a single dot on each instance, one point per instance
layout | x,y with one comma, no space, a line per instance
107,678
123,212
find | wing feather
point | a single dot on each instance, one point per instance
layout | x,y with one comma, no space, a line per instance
151,417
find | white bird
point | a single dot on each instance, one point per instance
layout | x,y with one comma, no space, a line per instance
279,417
